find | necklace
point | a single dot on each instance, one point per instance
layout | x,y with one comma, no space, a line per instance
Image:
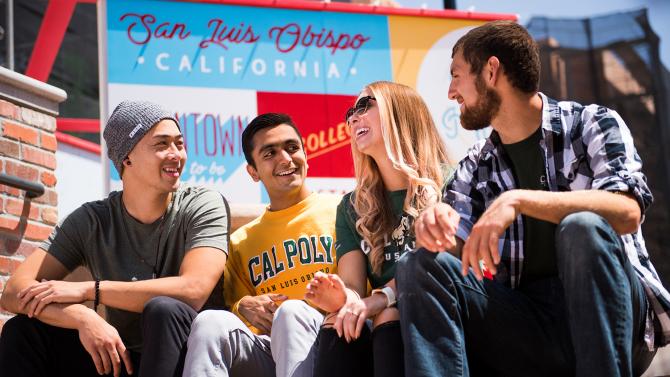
161,225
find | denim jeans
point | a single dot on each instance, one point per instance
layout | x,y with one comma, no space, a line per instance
588,321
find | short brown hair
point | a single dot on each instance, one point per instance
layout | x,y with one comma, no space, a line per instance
508,41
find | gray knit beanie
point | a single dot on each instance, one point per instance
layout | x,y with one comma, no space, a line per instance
128,124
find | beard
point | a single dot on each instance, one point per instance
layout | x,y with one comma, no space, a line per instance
480,115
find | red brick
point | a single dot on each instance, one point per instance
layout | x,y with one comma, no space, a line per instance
48,179
21,170
50,215
9,148
39,157
48,141
14,229
8,265
9,110
10,226
37,232
10,190
20,208
20,132
50,197
38,119
17,247
8,244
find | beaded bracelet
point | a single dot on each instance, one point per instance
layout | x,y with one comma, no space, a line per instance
96,302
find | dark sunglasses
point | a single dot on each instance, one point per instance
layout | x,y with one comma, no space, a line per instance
361,106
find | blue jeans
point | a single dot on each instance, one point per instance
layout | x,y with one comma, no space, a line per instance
588,321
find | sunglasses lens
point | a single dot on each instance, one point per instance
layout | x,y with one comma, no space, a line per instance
360,107
362,104
349,114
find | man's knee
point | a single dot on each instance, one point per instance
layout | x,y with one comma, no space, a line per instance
410,264
583,237
290,310
295,316
163,308
215,322
412,267
17,327
580,223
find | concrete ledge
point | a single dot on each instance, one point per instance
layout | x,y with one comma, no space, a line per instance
241,214
26,91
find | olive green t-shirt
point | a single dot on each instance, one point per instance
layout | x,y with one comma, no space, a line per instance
528,165
113,245
398,242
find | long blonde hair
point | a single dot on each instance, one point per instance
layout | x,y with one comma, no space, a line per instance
414,148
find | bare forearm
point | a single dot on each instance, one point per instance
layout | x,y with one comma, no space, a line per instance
10,300
132,296
68,316
199,273
620,210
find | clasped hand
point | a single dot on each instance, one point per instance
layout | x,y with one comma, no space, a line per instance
100,339
259,310
328,292
33,299
436,227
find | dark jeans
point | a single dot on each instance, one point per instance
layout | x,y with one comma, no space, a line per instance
31,348
589,321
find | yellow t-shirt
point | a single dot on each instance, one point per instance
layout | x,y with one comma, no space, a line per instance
280,251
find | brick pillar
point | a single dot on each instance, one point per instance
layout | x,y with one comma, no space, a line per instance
27,150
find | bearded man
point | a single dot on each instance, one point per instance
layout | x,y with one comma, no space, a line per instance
550,204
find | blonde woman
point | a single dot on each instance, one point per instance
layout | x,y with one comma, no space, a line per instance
398,159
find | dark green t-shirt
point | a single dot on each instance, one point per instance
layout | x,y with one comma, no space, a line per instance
113,245
398,242
528,164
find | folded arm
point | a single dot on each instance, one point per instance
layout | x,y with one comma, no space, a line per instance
199,272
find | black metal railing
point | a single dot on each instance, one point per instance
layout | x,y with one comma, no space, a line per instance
32,189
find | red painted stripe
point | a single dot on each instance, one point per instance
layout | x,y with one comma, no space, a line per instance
78,143
55,21
78,125
363,8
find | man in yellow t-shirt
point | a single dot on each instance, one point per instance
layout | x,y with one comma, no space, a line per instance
270,331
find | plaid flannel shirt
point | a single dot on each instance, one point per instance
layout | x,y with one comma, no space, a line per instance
585,148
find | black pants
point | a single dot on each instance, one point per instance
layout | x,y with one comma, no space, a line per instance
374,354
31,348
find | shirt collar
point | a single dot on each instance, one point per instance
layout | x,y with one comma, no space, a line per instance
551,115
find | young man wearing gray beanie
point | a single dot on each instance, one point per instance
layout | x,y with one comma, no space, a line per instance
156,250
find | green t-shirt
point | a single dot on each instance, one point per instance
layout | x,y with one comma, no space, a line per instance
528,165
398,242
102,236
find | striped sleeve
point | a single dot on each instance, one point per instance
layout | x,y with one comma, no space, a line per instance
613,159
